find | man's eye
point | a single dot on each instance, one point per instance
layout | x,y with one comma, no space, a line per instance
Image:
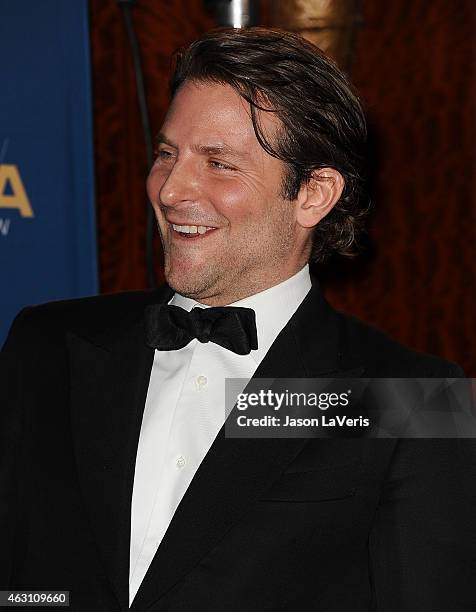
164,155
219,165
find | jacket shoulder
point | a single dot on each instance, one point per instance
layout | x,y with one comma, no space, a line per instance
386,357
83,316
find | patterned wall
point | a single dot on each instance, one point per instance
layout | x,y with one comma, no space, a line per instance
121,166
415,69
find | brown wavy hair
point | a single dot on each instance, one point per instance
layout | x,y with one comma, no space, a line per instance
323,124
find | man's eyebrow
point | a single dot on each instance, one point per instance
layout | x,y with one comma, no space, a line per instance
220,148
162,139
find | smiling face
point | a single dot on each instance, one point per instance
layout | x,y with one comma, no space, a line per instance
226,230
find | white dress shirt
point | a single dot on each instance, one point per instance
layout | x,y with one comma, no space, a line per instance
185,410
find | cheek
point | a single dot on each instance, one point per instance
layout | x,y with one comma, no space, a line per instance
236,200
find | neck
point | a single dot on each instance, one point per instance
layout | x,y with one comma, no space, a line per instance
230,297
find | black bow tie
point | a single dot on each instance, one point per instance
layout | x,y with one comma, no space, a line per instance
171,327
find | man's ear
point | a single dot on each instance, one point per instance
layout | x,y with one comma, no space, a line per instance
318,196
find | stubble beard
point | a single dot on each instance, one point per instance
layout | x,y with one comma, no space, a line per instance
230,278
197,282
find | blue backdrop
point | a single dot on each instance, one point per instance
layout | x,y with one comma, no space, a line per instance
47,216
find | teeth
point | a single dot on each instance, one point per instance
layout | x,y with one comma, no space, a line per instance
191,229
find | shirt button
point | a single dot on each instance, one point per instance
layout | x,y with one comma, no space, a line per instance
180,463
201,382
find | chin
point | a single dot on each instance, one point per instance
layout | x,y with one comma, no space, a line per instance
186,282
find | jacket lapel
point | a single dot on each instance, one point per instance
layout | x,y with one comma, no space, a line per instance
236,471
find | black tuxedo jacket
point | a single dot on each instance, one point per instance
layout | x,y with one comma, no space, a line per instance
275,524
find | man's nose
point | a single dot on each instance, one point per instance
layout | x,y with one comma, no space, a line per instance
181,185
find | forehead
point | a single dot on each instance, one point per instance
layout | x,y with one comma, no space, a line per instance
214,111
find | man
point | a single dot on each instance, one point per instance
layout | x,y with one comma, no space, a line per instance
125,489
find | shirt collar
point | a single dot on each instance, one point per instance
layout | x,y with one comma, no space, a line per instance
273,307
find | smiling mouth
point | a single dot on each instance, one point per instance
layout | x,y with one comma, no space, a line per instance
192,231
